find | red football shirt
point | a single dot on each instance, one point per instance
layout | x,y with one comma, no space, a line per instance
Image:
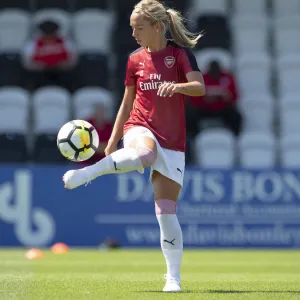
217,103
50,52
164,116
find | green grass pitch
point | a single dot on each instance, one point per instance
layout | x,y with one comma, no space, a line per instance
138,274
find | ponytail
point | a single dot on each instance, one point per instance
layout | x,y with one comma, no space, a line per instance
170,19
179,32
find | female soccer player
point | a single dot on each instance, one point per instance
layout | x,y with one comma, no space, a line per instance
152,119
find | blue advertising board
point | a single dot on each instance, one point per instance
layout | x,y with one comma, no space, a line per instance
217,208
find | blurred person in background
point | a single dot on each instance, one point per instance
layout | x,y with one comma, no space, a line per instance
219,102
50,58
104,129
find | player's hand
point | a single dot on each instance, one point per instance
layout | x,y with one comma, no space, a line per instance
167,89
110,148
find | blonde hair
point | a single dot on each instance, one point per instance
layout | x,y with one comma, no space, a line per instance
170,19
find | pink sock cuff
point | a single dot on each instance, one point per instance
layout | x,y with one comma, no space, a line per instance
165,207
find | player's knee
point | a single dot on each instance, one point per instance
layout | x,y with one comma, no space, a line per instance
146,155
165,206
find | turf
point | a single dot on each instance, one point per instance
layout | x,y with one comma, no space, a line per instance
130,275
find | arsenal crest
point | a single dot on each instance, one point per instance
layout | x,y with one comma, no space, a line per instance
169,61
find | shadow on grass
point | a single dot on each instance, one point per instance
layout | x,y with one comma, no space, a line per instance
220,292
160,291
250,292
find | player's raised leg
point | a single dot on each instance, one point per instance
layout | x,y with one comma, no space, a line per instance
141,154
166,192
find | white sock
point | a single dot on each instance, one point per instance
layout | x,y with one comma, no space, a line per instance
171,242
121,161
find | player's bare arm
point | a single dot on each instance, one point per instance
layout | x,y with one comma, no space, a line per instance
194,87
122,117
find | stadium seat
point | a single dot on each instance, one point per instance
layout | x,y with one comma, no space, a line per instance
180,5
286,41
51,110
125,43
45,4
288,81
124,9
246,7
92,33
205,56
286,22
84,100
254,72
11,71
93,70
286,7
14,30
257,150
289,150
92,30
288,61
254,80
14,112
250,40
58,15
97,4
289,119
51,107
216,30
254,61
258,112
288,72
119,73
207,7
215,148
21,4
241,22
289,110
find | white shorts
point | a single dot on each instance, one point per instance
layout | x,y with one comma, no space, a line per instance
169,163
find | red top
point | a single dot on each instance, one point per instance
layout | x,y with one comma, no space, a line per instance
164,116
50,52
104,133
226,82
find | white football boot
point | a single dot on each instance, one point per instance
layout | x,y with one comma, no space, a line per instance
76,178
172,284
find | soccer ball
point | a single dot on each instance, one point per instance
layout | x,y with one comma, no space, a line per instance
77,140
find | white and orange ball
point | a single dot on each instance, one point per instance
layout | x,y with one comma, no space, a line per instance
77,140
